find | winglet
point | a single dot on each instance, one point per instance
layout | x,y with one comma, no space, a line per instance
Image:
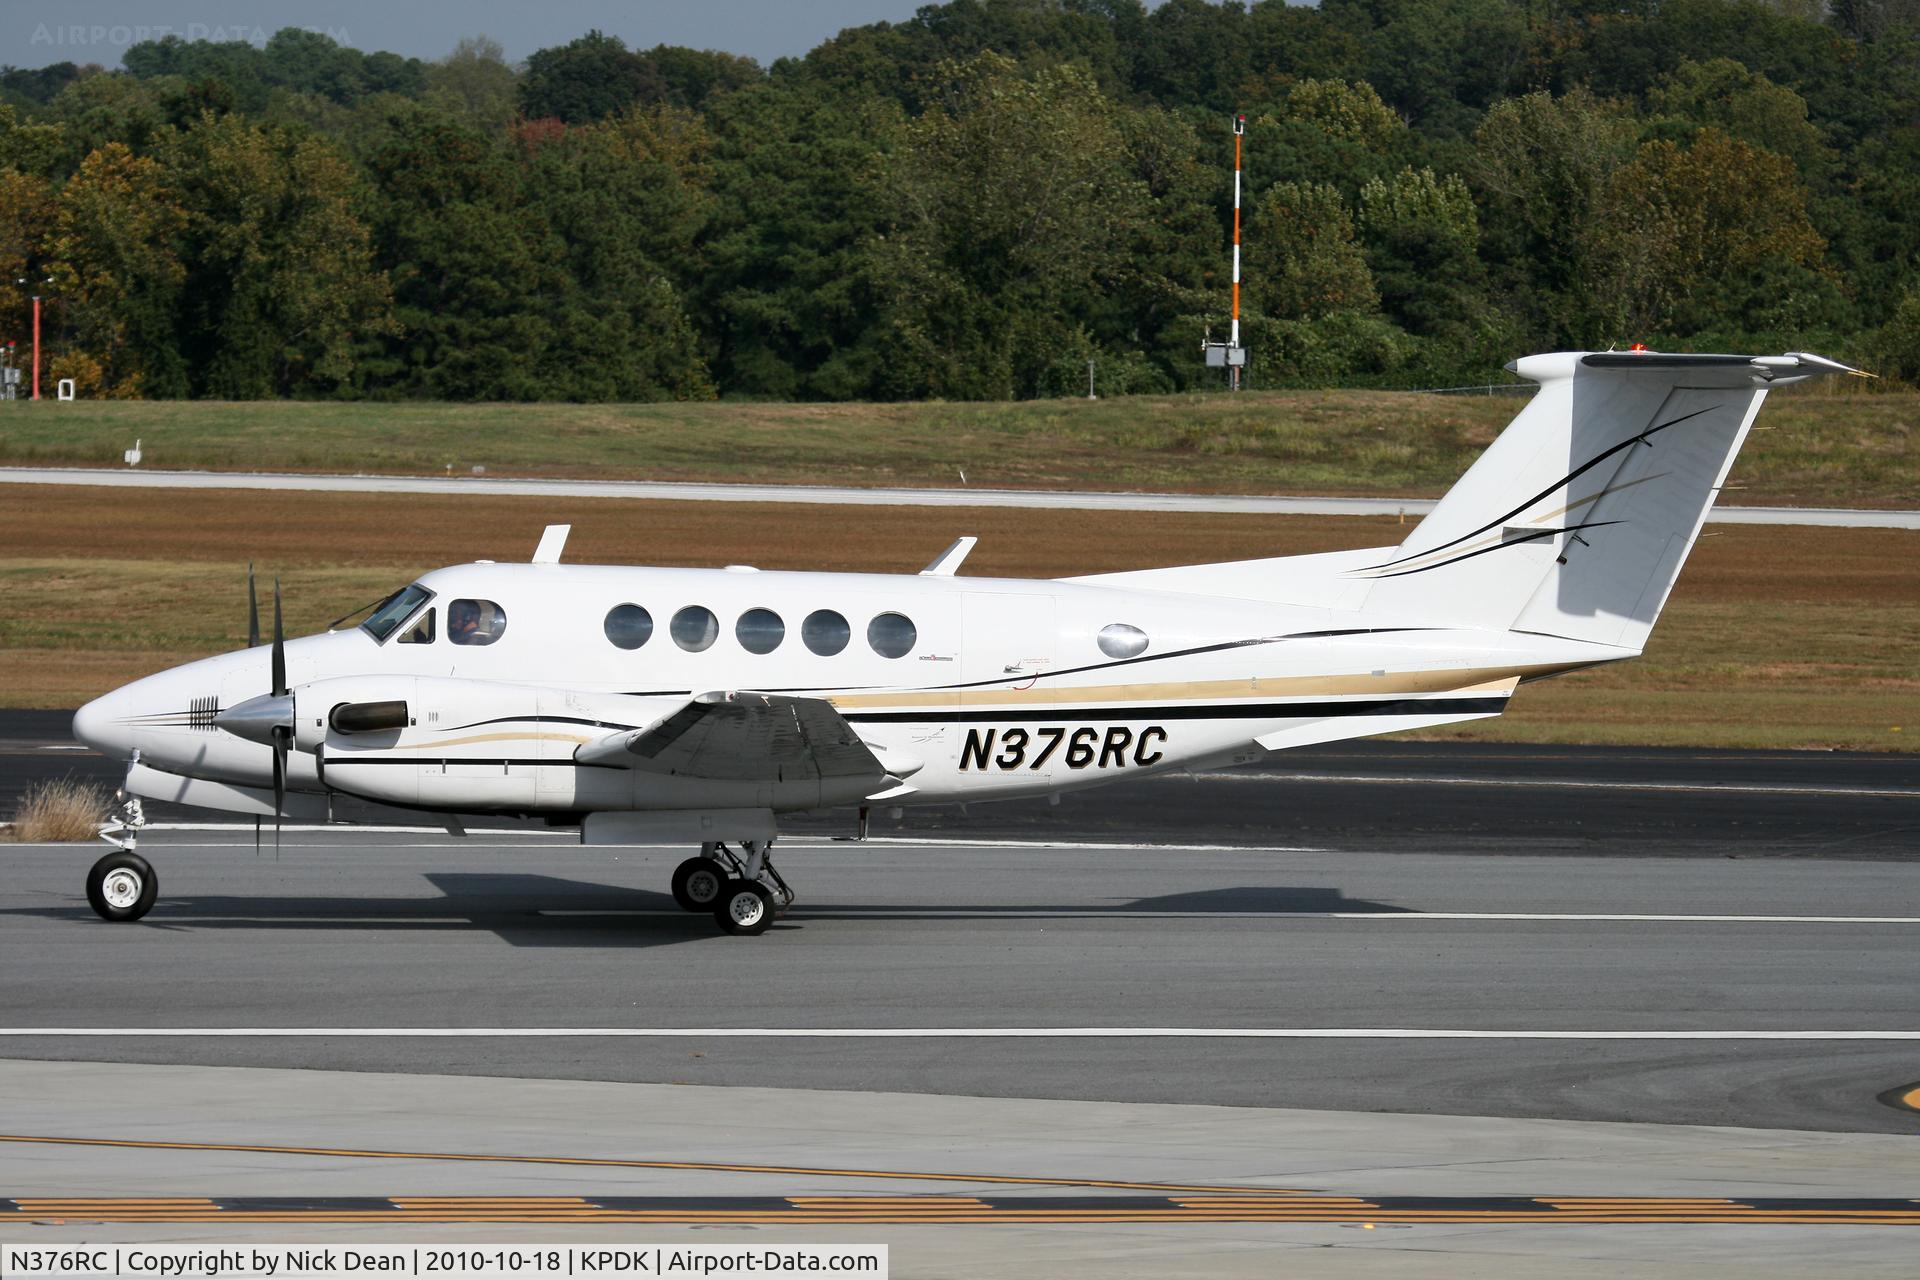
949,560
552,543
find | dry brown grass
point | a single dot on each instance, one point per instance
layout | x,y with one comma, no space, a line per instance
1775,636
59,809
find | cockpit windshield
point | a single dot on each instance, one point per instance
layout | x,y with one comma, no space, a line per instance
394,610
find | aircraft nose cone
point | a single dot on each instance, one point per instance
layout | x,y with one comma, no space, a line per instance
257,718
102,724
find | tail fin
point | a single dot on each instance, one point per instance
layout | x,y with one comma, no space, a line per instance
1575,522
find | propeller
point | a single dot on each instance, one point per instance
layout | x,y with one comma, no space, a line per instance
267,718
282,730
253,612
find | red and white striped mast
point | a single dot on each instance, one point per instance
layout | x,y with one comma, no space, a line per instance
1233,335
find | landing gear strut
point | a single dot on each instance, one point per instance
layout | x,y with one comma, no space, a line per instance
122,885
744,894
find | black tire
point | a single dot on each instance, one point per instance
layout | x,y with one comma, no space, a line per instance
697,883
745,909
122,886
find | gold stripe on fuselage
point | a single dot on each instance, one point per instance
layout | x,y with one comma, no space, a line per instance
1479,680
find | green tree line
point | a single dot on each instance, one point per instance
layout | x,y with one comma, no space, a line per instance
974,203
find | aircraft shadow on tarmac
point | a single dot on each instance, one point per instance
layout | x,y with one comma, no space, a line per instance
548,911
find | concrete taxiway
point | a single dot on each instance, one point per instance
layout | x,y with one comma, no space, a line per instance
956,1186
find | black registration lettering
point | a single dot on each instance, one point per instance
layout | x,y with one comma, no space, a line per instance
1140,753
1013,749
1115,747
1080,748
979,746
1053,737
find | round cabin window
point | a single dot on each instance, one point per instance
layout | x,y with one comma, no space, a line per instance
892,635
760,631
695,628
628,626
825,632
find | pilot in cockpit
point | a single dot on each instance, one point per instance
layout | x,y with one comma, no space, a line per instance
463,622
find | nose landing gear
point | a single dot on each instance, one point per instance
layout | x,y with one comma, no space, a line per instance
123,885
745,895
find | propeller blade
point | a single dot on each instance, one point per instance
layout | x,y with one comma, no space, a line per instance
279,774
253,611
279,645
279,782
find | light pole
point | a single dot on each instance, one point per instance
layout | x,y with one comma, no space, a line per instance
1230,355
1233,337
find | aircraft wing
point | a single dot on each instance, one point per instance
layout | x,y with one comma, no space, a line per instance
746,737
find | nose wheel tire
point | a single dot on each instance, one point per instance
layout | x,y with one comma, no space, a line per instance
745,908
122,886
697,883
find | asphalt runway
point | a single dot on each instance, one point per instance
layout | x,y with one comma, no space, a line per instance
657,491
1372,971
1420,887
906,962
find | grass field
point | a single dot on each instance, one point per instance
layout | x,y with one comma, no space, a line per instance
1775,637
1818,448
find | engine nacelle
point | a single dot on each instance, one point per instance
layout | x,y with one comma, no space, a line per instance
467,745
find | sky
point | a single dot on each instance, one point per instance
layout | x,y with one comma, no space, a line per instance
34,33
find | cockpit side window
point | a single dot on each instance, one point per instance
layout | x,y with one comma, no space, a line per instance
475,622
420,632
394,610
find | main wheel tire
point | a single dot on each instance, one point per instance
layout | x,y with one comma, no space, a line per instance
697,883
745,909
122,886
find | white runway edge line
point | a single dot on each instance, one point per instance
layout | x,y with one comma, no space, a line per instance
659,491
1122,913
933,1033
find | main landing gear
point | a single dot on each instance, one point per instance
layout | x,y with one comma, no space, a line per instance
122,885
744,895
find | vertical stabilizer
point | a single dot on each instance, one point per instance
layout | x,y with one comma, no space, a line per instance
1576,521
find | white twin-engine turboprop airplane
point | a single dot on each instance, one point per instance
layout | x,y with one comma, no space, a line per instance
697,705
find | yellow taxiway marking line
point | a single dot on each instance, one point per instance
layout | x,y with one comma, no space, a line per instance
886,1202
607,1162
